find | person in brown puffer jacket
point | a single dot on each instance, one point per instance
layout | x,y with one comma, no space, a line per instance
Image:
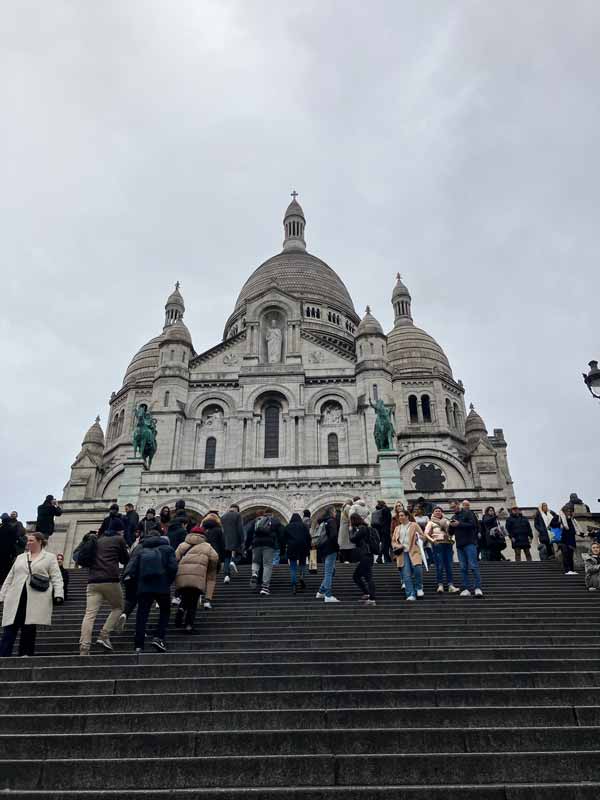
196,575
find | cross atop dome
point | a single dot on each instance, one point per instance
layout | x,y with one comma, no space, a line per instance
174,307
294,194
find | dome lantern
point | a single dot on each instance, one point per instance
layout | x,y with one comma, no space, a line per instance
369,326
401,300
294,223
174,307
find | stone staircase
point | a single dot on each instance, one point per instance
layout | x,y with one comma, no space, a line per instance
286,697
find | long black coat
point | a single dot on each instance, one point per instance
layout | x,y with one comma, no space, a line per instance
540,525
297,539
45,518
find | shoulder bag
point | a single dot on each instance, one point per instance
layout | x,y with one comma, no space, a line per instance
41,583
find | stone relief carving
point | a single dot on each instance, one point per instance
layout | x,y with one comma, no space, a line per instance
231,359
331,414
316,357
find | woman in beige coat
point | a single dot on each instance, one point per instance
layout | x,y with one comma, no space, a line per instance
438,532
196,575
25,607
409,559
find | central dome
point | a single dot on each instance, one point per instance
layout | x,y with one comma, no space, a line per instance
301,275
297,273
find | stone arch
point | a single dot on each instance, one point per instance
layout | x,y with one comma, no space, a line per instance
323,395
412,459
195,407
282,508
275,299
107,479
270,389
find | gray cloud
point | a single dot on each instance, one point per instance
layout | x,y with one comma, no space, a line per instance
145,142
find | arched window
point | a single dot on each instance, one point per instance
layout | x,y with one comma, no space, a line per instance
166,399
272,431
413,413
426,407
333,451
449,413
456,415
210,454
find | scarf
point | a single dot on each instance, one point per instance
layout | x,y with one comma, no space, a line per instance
546,516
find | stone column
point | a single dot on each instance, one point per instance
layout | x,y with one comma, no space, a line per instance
392,488
131,480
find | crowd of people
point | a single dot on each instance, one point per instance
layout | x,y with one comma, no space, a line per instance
172,560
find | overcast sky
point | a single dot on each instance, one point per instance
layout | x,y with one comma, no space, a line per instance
145,142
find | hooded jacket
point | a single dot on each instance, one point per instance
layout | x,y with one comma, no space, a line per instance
331,545
297,539
213,532
111,550
153,575
198,563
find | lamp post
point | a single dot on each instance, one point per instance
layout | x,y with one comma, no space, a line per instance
592,379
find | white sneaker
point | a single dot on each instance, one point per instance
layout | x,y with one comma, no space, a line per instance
420,593
452,589
411,599
233,568
478,593
465,593
207,604
440,588
319,596
120,626
332,599
226,579
571,573
592,589
175,601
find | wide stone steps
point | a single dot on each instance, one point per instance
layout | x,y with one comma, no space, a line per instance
284,696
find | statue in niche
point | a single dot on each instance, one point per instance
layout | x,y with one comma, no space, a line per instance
332,414
212,417
274,342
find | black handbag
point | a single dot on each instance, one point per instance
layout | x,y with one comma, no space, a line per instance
41,583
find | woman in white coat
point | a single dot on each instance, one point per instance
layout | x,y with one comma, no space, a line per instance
24,606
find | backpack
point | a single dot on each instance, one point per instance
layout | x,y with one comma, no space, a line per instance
264,525
374,541
85,554
151,563
321,535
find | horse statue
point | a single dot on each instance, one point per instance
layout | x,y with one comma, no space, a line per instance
384,428
144,435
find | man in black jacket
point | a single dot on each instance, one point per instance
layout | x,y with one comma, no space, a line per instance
233,537
520,533
131,521
381,520
178,526
328,549
46,513
465,528
267,537
104,586
113,513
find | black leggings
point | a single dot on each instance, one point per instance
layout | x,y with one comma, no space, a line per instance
189,603
363,576
27,640
568,554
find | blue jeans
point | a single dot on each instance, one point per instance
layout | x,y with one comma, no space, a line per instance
468,561
327,583
297,568
442,553
412,575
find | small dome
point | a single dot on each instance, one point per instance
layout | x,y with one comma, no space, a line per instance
175,298
400,290
177,332
144,363
294,210
369,326
95,435
412,350
474,424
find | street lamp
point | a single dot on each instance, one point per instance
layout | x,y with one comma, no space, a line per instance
592,379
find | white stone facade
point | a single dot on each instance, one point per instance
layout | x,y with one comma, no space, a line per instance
285,419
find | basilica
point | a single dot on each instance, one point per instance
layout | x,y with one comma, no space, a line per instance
279,413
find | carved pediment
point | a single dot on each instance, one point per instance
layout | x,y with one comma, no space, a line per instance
228,353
